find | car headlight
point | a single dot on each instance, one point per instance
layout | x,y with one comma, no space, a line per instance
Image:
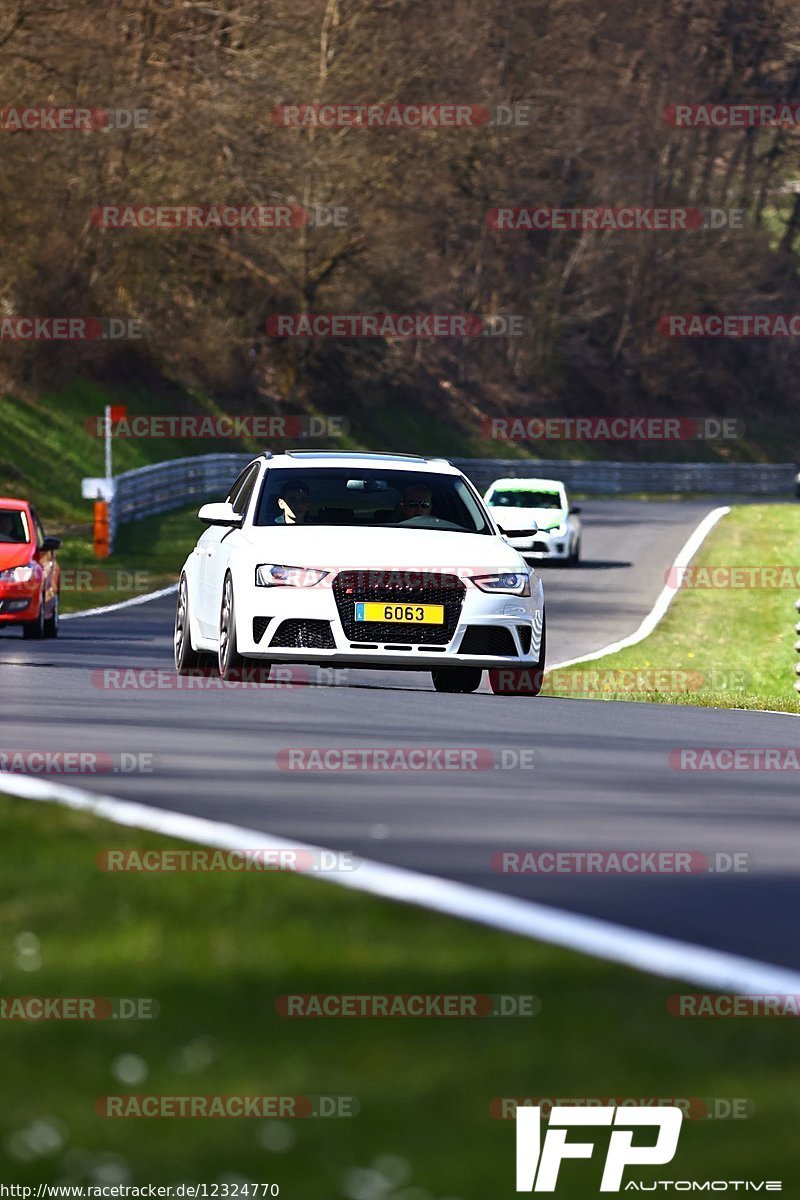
17,575
513,583
276,575
558,530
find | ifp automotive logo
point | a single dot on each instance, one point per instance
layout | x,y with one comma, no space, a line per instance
539,1159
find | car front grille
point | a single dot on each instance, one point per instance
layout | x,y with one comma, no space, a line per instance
398,587
524,632
493,641
304,635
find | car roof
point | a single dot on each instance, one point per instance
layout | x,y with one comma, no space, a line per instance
9,502
528,485
303,459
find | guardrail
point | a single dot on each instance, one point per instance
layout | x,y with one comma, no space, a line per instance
180,481
615,478
165,486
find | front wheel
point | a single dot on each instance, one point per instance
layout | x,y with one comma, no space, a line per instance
575,556
35,628
521,681
231,662
457,679
51,622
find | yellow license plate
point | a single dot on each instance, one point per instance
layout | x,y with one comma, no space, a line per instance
401,614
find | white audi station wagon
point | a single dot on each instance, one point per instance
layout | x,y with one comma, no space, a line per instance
360,560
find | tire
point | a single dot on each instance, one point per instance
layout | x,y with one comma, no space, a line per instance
457,679
35,628
575,557
187,659
231,662
521,681
51,623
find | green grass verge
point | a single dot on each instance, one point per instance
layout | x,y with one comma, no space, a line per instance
736,643
216,950
147,556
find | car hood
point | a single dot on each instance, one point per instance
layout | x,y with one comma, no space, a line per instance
521,518
14,554
340,548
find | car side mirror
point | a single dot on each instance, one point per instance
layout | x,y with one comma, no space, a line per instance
575,510
221,514
51,544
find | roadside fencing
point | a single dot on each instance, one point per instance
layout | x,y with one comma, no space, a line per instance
179,482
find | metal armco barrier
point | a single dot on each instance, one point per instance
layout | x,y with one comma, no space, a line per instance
174,484
615,478
177,483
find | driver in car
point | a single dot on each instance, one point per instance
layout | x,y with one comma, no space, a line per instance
294,502
9,527
415,502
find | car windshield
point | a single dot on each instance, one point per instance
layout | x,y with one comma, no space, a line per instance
520,499
13,526
364,496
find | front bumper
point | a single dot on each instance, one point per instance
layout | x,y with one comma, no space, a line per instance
489,631
18,602
542,546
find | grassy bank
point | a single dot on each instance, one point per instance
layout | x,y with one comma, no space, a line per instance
147,556
720,644
216,950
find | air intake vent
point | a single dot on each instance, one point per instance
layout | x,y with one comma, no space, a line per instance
260,626
491,641
304,635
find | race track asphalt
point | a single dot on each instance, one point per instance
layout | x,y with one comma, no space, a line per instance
602,778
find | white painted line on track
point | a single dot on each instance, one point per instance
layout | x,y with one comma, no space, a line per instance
586,935
667,595
107,608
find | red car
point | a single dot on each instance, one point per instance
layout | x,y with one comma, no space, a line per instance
29,574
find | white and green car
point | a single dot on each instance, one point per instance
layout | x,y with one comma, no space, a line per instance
537,518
